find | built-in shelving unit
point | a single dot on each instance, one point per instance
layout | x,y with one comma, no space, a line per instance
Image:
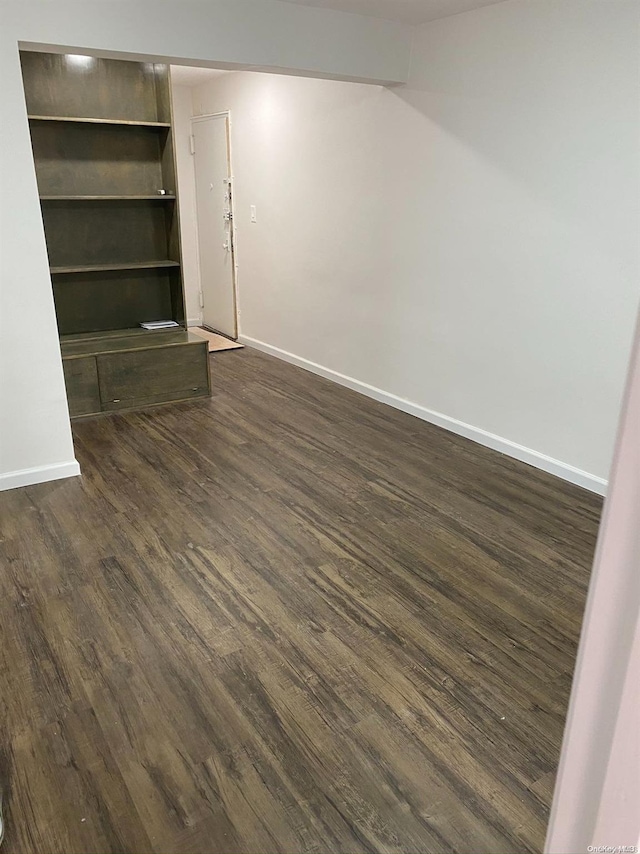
101,132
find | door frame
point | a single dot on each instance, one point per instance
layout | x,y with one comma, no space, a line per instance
226,114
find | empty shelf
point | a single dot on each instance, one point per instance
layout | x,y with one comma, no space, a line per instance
92,121
119,340
151,197
102,268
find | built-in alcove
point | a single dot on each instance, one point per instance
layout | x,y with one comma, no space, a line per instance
101,132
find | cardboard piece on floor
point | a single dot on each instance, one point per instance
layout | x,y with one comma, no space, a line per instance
216,342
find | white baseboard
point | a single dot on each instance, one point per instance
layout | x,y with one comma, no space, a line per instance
194,321
482,437
40,474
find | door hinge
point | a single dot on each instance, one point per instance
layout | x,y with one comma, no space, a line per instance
201,295
192,143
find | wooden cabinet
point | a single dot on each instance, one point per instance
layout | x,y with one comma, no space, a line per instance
81,379
101,132
129,372
150,376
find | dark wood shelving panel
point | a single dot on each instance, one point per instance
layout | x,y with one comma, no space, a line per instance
121,234
105,160
108,301
103,148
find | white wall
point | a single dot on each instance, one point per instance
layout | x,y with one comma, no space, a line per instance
35,439
597,796
464,247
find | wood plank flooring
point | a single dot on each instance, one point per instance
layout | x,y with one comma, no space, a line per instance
288,619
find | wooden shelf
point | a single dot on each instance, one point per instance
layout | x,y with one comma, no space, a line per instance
92,121
107,334
103,268
119,340
154,198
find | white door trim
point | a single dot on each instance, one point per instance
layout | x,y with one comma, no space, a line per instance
203,116
234,243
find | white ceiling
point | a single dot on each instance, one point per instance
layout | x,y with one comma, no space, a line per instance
406,11
186,75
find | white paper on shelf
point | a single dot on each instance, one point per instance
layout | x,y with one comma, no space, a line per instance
160,324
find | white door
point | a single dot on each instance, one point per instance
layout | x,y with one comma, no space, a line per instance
210,146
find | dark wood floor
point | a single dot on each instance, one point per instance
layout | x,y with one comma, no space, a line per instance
289,619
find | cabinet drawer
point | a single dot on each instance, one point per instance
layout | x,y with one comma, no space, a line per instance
144,377
81,379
